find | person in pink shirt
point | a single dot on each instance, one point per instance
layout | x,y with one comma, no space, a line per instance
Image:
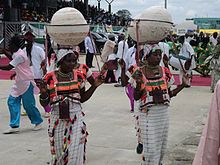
208,152
23,88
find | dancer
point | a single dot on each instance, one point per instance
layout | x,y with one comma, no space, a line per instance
65,91
151,84
23,89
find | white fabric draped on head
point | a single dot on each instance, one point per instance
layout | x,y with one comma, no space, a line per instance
147,48
62,53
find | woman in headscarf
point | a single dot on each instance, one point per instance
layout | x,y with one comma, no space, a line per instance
152,84
64,90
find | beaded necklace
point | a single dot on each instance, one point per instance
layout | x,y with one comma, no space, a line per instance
154,69
65,75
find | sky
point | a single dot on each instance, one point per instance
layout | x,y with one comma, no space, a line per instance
179,9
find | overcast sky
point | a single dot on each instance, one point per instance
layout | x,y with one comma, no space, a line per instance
179,9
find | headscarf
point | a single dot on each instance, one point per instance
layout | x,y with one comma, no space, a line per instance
62,53
149,48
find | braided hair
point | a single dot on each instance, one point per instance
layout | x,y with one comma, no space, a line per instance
17,41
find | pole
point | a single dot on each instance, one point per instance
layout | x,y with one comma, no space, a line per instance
109,5
137,56
109,8
73,3
99,5
46,46
9,3
87,7
46,8
165,4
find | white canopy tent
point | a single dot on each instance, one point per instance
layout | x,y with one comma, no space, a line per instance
183,28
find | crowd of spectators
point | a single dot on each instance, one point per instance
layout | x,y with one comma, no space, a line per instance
91,13
203,45
95,16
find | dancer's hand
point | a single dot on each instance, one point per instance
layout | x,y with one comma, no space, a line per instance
138,79
138,76
12,76
166,61
42,86
104,67
99,80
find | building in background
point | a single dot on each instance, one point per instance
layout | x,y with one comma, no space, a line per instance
207,25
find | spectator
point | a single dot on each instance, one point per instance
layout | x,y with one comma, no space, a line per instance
208,149
213,39
90,50
187,51
165,53
108,49
121,53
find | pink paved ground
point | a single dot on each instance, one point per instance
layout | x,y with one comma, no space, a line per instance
196,81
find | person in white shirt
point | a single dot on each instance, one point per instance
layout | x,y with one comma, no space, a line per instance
122,51
108,50
213,39
130,57
187,51
189,36
90,49
165,51
37,59
36,56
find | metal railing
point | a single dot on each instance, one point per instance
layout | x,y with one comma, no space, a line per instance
9,29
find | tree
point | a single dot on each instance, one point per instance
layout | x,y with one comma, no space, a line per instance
124,13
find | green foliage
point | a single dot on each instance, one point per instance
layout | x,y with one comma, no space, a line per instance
124,13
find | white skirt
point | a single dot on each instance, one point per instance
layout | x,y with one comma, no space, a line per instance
67,138
154,134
